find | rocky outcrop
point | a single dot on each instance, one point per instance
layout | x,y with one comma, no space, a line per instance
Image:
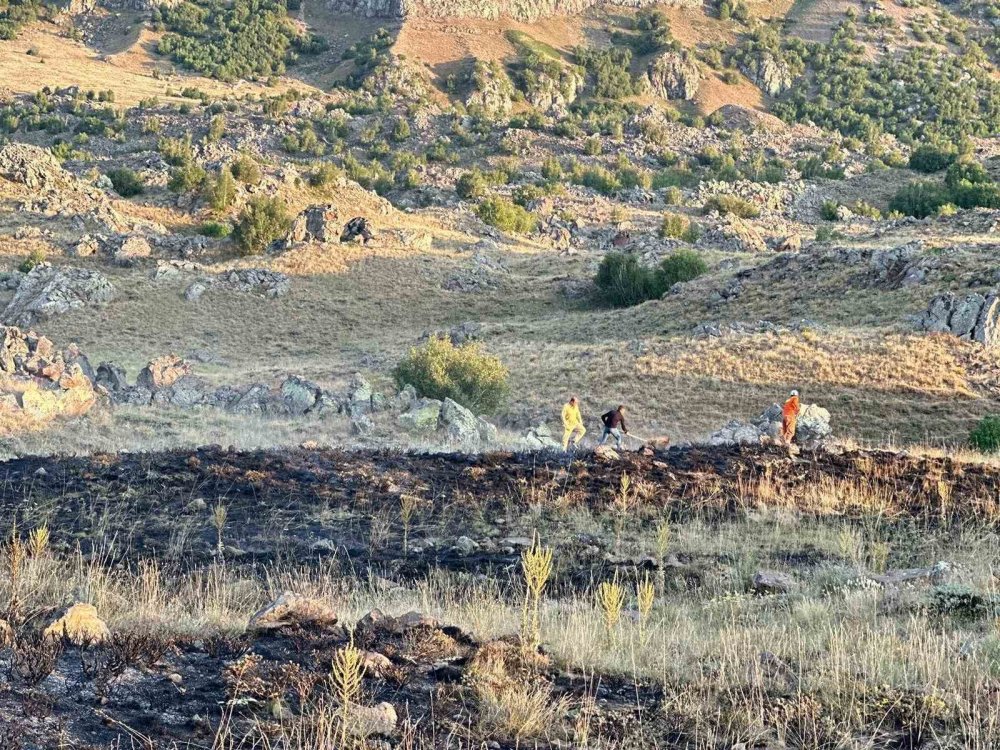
260,281
315,224
732,234
448,422
973,317
553,93
813,427
38,383
31,166
770,73
492,90
48,290
674,75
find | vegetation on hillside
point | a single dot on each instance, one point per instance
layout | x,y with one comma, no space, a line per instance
232,40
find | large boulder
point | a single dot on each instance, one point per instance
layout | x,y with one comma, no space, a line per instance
316,224
674,75
769,72
38,383
163,372
80,625
31,166
460,426
47,290
972,317
422,416
492,90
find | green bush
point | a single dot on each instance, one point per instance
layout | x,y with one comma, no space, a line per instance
186,178
220,192
985,436
471,185
466,374
125,182
230,40
506,216
622,282
35,258
215,229
921,199
679,227
730,204
246,170
966,170
325,174
681,265
828,210
262,221
930,158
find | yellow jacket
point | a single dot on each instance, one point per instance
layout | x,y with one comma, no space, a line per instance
571,416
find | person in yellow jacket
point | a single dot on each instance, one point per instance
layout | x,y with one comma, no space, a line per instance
573,429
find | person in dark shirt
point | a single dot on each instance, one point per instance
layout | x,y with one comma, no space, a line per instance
614,425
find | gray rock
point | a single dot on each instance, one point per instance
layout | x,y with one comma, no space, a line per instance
111,377
422,416
772,582
674,75
47,290
461,426
466,546
299,396
972,317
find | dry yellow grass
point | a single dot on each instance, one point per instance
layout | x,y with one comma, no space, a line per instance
928,365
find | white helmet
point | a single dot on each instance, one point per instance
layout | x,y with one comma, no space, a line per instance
794,393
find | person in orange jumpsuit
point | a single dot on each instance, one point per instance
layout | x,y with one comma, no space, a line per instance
789,416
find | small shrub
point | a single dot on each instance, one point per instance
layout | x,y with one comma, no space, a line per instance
215,229
466,374
471,185
677,226
622,282
220,192
246,170
681,265
506,216
186,178
125,182
929,158
985,436
325,174
262,221
730,204
919,199
828,211
35,258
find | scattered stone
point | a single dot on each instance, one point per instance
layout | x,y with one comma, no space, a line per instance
40,383
812,428
466,546
368,721
80,625
422,416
